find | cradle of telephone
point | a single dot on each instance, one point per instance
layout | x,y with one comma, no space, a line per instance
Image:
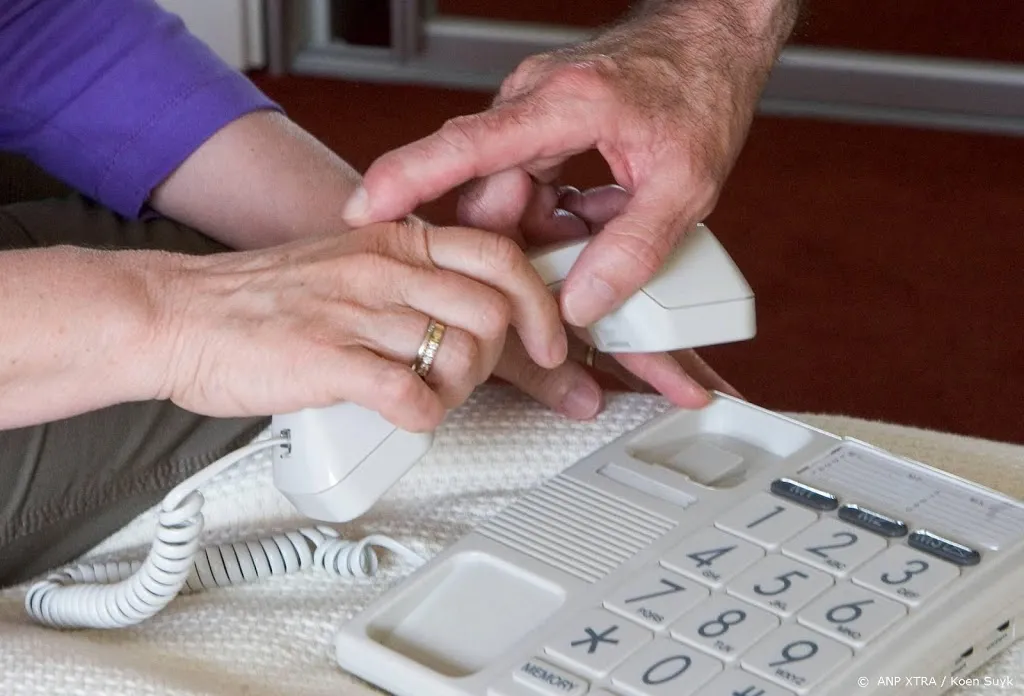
342,459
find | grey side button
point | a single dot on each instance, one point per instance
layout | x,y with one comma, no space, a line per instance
545,678
944,548
872,521
805,495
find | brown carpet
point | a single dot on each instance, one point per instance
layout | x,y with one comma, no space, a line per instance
884,260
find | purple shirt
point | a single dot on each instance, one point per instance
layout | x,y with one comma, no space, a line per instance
111,95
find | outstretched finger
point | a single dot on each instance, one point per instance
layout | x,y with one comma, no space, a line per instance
510,134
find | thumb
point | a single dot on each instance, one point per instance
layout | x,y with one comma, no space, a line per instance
630,249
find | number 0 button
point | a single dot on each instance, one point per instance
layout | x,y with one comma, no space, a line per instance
665,667
796,657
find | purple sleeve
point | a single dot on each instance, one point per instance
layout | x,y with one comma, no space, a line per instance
111,95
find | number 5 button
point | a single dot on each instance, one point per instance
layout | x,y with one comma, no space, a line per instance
852,614
780,584
834,546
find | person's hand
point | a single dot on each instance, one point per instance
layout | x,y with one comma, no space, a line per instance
571,389
341,317
666,97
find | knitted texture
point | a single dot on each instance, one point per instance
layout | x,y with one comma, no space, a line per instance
276,637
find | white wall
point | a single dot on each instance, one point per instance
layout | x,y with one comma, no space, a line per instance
232,28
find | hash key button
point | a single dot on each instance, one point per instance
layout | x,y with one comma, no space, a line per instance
657,597
735,682
596,642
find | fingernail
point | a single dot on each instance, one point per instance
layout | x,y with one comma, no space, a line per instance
357,207
588,301
582,402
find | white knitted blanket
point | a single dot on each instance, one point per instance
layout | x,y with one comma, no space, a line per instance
276,637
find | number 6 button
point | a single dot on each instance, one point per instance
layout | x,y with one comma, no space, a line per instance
834,546
852,614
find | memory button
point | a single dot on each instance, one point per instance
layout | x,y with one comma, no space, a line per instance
872,521
545,678
805,495
944,548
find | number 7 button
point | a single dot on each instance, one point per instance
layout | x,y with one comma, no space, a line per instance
656,598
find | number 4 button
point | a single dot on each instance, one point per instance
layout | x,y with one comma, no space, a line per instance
712,556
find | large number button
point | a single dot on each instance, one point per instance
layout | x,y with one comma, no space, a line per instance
780,584
656,598
852,614
736,682
725,626
595,642
905,574
665,667
796,657
835,546
766,520
712,556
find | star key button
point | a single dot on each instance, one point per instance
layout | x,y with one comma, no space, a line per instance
596,642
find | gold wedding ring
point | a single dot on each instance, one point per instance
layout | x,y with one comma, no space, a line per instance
428,349
591,355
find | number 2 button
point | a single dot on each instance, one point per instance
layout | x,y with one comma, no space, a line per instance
834,546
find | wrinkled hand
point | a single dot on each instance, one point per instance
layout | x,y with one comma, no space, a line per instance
571,389
341,317
667,98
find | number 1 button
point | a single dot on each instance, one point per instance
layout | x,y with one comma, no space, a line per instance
796,657
766,520
657,598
